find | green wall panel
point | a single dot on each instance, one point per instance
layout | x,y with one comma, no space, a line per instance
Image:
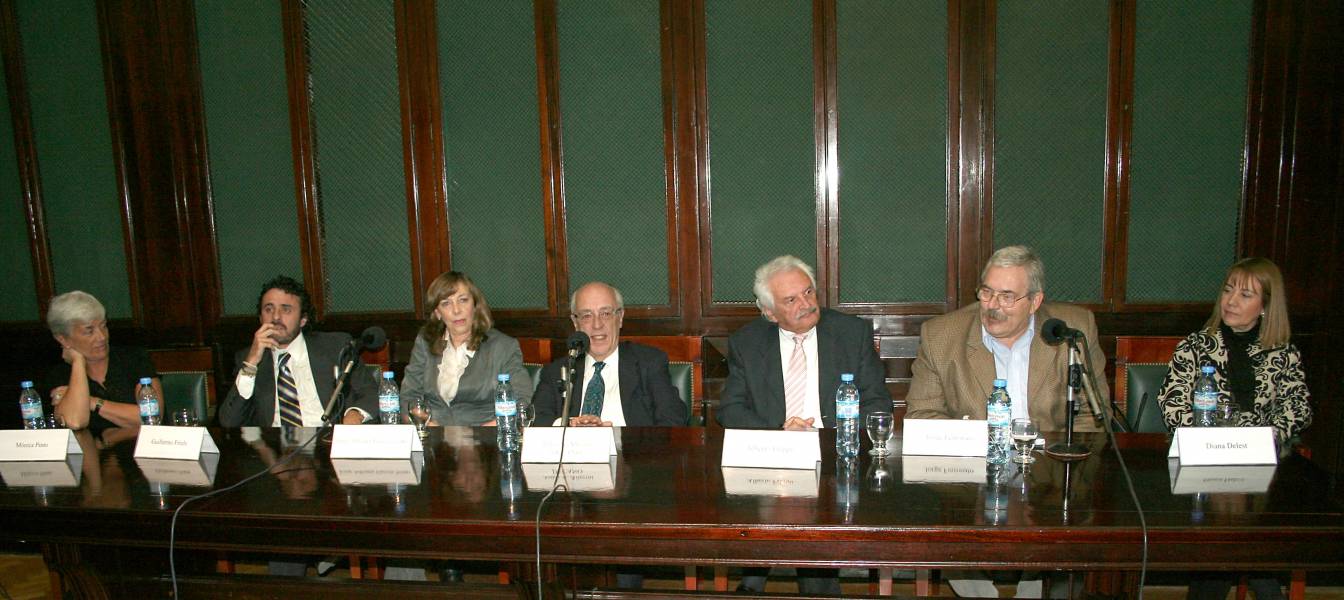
63,64
19,303
1050,138
615,183
1190,65
488,83
762,151
892,107
247,124
361,183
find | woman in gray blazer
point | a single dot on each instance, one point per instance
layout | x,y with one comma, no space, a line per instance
458,355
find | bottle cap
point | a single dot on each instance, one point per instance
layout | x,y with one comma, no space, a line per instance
1207,369
25,384
503,377
144,381
1000,383
846,377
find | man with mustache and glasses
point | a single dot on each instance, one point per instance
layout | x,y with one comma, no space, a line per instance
286,376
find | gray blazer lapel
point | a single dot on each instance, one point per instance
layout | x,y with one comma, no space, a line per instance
774,372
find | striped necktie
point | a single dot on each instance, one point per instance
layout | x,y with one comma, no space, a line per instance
795,380
288,393
597,389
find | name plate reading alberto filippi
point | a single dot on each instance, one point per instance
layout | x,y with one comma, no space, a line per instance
198,472
580,477
180,443
375,441
942,469
944,437
37,444
1224,446
47,473
1244,479
582,444
373,471
784,483
771,449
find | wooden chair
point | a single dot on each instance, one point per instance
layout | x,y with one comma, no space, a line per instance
1140,367
684,349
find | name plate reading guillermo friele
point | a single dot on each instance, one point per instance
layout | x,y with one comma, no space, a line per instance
375,441
182,443
582,444
1224,446
195,472
771,449
944,437
37,444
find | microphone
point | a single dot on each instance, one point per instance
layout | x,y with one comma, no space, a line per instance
1055,331
577,344
373,338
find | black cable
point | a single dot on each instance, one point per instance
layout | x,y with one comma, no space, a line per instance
555,485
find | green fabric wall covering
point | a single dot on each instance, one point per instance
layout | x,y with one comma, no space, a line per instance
63,65
612,111
19,303
488,85
892,89
247,123
1050,139
1190,67
762,160
361,184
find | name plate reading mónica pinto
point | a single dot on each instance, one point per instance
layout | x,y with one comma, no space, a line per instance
771,449
37,444
944,437
181,443
375,441
1224,446
582,444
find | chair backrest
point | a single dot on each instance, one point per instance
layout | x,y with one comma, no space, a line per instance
536,350
683,377
187,389
1140,367
533,372
898,355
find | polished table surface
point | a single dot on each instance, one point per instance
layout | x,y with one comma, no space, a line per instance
669,505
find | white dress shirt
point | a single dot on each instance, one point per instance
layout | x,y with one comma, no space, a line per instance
1013,364
811,397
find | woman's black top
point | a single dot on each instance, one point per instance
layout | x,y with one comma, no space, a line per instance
1240,371
125,367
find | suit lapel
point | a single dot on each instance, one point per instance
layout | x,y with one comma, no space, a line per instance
828,370
629,373
576,396
774,372
981,363
264,389
321,364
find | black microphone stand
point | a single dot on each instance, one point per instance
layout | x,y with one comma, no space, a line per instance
336,392
1068,450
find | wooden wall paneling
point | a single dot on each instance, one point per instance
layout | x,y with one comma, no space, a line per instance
422,145
668,81
552,157
973,128
11,49
685,156
1269,85
824,133
124,80
303,146
1119,117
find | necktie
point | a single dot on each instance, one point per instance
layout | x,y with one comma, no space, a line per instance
795,380
288,393
597,389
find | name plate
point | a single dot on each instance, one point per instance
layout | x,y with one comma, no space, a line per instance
180,443
944,437
1185,479
784,483
373,471
375,441
47,473
1224,446
37,444
769,449
199,472
582,444
942,469
582,477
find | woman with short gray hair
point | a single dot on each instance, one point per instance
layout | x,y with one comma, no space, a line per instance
97,385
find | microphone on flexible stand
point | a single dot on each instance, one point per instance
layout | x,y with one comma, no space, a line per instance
373,338
578,346
1054,332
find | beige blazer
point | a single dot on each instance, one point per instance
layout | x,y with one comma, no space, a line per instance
953,372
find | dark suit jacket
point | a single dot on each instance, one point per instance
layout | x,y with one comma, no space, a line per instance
324,350
647,395
753,395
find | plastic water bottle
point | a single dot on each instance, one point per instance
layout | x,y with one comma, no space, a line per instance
389,400
996,493
506,415
847,417
149,403
999,411
30,405
1206,398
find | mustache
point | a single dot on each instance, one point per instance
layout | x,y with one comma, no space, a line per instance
807,311
995,314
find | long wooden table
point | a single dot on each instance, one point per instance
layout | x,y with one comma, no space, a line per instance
668,506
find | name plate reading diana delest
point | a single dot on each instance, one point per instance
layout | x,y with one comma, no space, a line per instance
179,443
37,444
47,473
374,471
582,444
770,449
1224,446
944,437
942,469
198,472
1244,479
783,483
580,477
375,441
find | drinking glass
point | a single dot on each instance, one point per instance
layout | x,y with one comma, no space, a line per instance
1024,438
879,432
183,417
525,415
419,413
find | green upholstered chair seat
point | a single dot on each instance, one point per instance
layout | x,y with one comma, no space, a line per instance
186,389
533,373
1143,382
682,378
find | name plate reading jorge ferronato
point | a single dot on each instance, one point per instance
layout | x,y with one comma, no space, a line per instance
944,437
37,444
181,443
770,449
375,441
942,469
1224,446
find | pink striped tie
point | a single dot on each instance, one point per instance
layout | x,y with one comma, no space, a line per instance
795,380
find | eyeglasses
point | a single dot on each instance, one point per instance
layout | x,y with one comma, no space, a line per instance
985,294
605,315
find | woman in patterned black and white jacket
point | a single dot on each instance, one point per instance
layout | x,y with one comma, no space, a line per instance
1246,340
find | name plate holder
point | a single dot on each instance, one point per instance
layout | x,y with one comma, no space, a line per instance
578,477
379,471
780,483
770,449
179,443
37,444
582,444
375,441
943,469
45,473
1224,446
944,437
197,472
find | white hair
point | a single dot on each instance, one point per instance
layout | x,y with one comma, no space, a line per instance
574,296
1019,256
765,300
73,307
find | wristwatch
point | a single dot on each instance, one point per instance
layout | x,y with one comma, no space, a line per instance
97,406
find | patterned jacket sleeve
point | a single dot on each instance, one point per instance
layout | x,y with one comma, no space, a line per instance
1178,387
1291,413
